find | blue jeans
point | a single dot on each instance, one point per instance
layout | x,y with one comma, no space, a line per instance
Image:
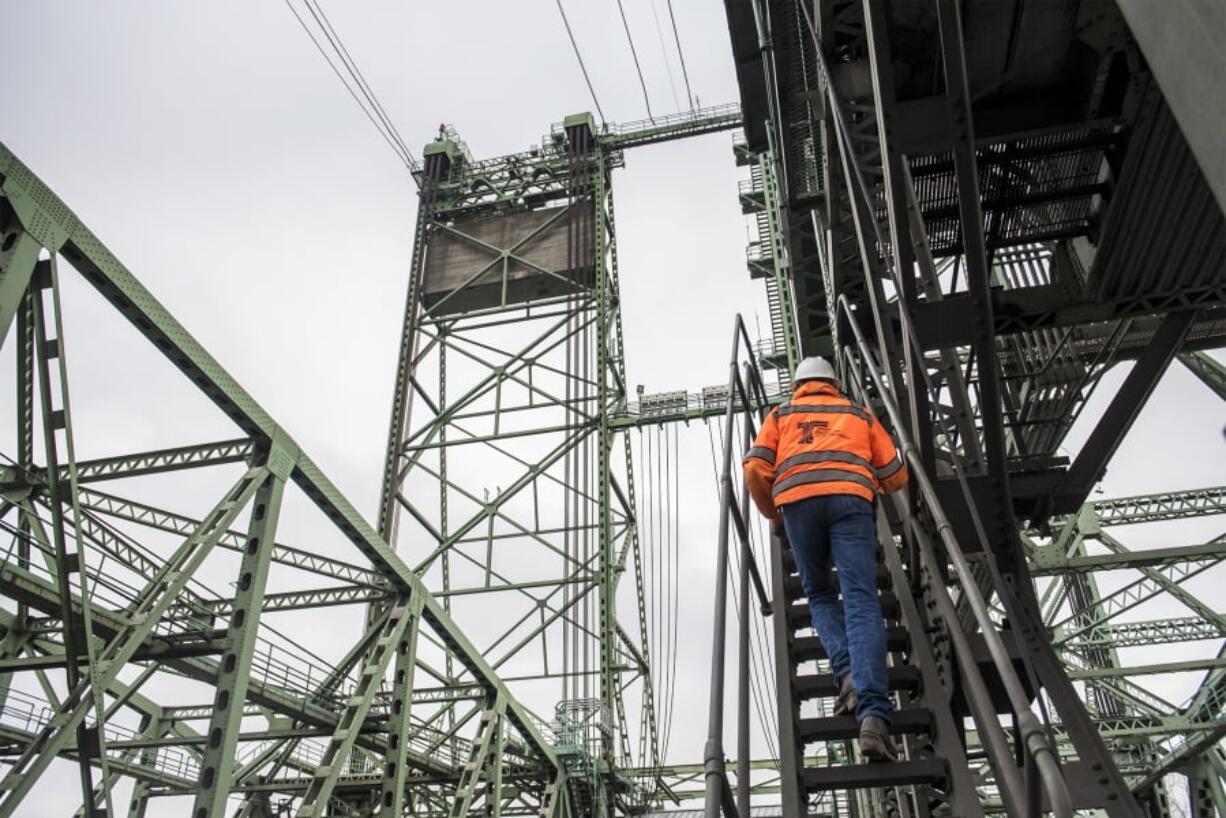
842,527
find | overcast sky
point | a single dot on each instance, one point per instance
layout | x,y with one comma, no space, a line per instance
212,149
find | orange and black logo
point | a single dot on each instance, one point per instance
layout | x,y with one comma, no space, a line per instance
807,427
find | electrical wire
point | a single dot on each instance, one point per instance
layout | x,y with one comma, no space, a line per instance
582,67
681,55
635,54
371,108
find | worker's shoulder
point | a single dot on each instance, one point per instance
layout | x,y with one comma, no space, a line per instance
825,401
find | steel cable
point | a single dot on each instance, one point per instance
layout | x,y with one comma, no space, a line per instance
374,113
635,55
681,56
582,67
326,25
668,66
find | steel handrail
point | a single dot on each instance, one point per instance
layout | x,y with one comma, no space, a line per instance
719,797
1030,728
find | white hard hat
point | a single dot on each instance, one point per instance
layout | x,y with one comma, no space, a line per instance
814,367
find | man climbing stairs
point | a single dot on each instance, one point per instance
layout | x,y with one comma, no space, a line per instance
810,687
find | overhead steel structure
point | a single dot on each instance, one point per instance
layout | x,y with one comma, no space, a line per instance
978,209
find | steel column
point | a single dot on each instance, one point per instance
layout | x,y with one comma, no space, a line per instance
217,766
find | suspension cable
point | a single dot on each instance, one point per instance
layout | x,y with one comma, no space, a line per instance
371,108
681,55
668,65
579,56
635,55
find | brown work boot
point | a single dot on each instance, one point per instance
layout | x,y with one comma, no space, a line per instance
875,744
846,703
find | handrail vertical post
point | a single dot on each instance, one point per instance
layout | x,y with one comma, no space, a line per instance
742,704
713,755
1038,750
742,392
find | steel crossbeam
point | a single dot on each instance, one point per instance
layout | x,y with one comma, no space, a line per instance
1148,508
157,596
1156,632
171,522
1046,564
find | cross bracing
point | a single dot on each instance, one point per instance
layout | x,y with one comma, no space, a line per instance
146,613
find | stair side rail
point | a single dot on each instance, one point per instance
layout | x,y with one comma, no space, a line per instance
1041,767
746,395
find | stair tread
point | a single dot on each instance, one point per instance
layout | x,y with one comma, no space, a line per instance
833,728
865,776
819,685
798,612
807,648
789,558
795,591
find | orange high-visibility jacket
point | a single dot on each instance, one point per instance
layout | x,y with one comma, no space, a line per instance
820,443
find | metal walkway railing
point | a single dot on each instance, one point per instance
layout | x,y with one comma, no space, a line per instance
1040,767
746,396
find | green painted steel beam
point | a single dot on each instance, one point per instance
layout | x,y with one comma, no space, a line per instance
57,735
1191,665
1151,632
170,522
1049,562
1155,580
234,670
1204,366
271,688
164,460
670,127
686,406
285,601
1148,508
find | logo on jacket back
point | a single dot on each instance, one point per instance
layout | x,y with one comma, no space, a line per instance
807,427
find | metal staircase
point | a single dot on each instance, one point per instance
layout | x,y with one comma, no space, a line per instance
945,667
808,684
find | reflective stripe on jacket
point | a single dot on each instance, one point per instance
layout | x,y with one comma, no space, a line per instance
820,443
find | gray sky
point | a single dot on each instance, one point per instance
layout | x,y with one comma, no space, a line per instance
215,153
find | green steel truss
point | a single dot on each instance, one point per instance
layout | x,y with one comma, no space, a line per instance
437,706
1165,630
107,593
